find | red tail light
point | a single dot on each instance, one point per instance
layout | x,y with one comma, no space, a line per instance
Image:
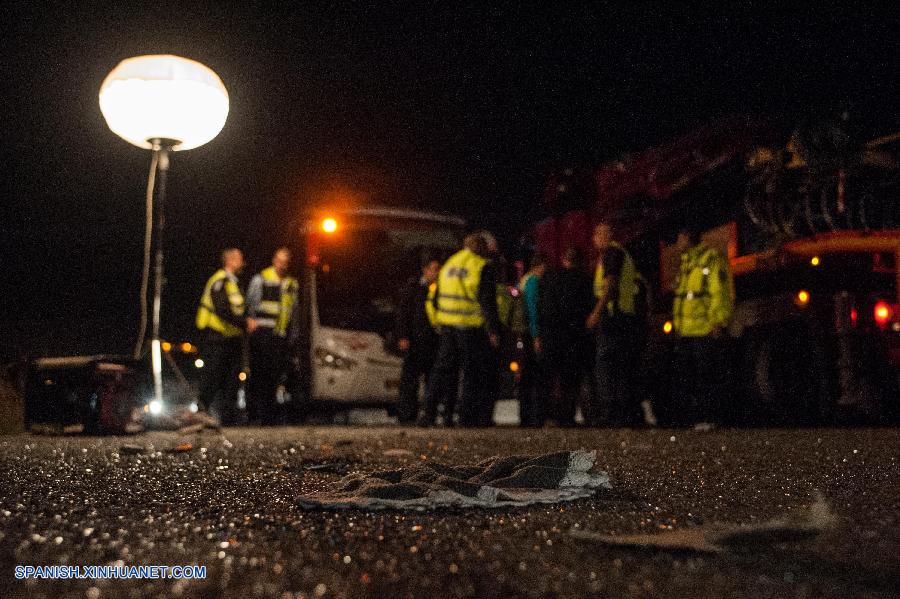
882,313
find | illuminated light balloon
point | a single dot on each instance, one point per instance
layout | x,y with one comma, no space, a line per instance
164,97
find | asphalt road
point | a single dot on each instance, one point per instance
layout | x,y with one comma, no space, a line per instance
230,505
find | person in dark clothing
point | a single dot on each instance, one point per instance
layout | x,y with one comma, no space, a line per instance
221,321
495,365
416,337
564,302
616,316
464,307
531,411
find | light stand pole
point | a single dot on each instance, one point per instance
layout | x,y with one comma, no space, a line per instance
161,149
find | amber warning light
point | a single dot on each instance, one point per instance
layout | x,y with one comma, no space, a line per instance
329,225
882,313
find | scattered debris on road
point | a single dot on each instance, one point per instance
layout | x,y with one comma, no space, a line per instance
181,448
397,453
714,538
129,449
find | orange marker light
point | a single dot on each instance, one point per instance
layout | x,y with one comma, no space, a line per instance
166,346
242,376
329,225
514,366
802,297
882,313
667,327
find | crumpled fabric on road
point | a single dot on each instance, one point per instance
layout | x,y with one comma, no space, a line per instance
496,482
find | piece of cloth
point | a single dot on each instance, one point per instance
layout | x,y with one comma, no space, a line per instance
493,483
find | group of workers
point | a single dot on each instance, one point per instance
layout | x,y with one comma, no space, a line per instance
267,316
452,320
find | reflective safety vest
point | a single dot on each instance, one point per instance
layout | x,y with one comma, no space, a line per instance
206,313
456,304
703,294
629,286
277,304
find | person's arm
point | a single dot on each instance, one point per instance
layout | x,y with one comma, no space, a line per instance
530,294
254,294
294,326
487,299
431,305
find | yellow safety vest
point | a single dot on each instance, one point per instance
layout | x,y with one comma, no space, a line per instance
628,284
457,291
206,313
703,294
278,299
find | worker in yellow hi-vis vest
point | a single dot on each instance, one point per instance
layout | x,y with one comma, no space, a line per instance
222,320
701,312
464,308
618,317
272,301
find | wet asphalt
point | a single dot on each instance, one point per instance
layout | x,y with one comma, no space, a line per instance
228,503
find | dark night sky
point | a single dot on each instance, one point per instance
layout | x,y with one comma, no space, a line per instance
461,110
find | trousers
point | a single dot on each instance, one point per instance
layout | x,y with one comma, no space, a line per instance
268,361
222,358
462,352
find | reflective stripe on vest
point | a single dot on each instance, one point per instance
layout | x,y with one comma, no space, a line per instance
457,291
628,284
206,312
278,299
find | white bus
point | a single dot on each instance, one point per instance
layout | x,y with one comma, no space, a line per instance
356,261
